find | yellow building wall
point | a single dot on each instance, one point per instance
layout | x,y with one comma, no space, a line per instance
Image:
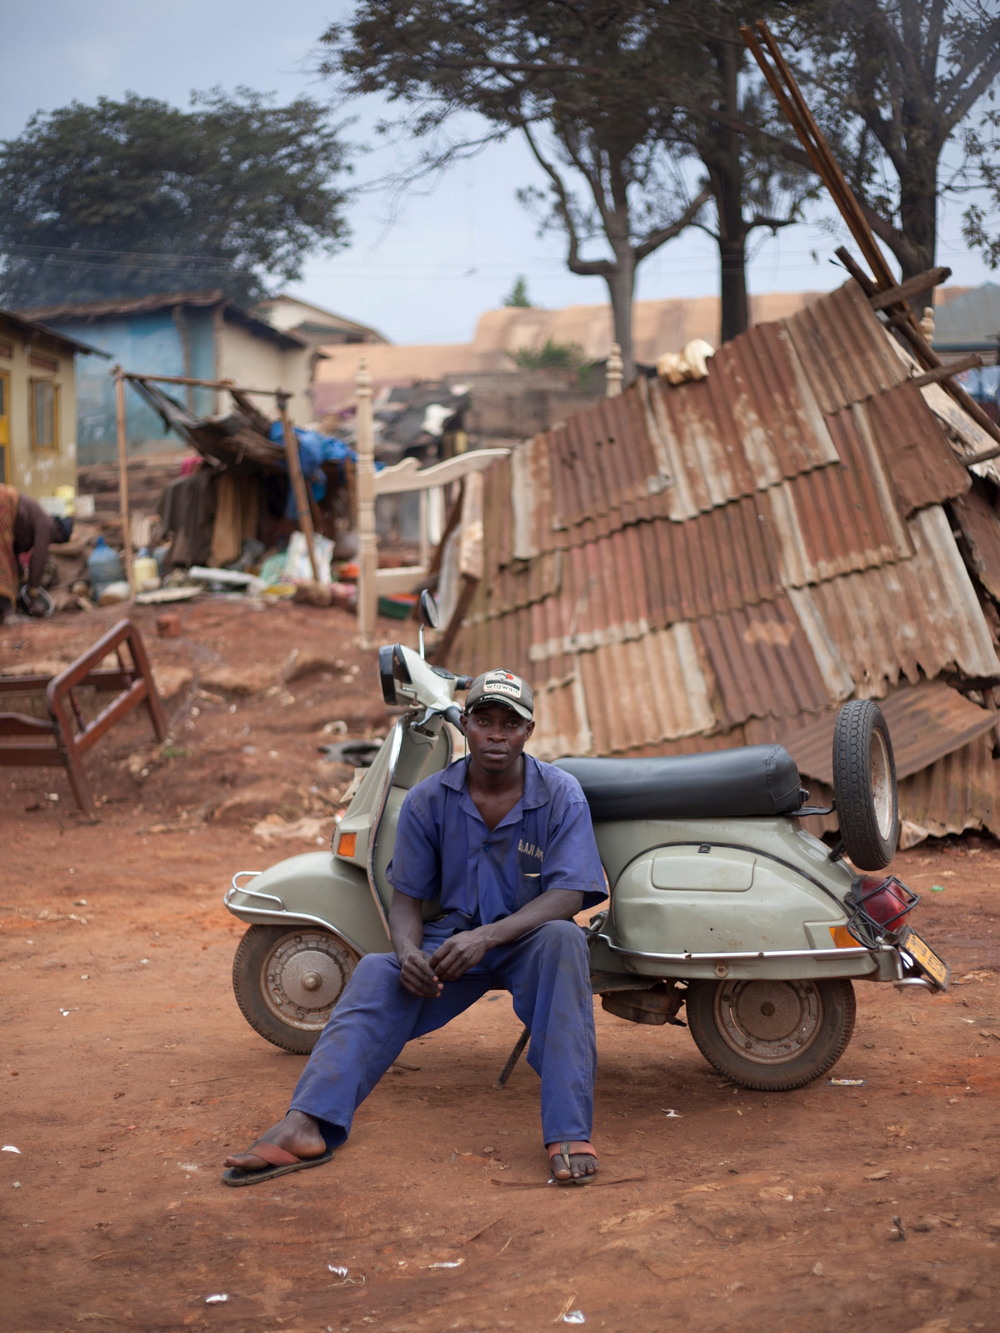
36,471
255,363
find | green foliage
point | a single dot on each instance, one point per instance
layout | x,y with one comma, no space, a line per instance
131,197
518,295
894,82
604,92
550,356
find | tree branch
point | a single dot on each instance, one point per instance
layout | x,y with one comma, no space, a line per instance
663,234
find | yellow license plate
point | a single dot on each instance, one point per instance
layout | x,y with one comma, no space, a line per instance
927,960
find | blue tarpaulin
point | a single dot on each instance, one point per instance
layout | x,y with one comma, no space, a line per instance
314,450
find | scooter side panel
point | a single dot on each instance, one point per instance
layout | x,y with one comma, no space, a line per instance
736,887
316,888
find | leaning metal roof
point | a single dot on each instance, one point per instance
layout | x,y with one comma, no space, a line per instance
725,561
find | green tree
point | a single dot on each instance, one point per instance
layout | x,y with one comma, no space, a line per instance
616,99
585,82
728,129
518,294
136,196
551,355
897,82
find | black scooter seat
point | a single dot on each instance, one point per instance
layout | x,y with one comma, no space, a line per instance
724,784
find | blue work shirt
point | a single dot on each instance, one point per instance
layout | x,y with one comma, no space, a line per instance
444,849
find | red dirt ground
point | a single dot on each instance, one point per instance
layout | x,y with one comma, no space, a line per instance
128,1073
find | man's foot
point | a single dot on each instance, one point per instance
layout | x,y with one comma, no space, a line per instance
572,1163
291,1145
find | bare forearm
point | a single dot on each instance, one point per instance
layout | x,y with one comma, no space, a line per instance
406,924
554,905
464,950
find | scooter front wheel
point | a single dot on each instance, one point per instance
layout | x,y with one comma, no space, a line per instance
771,1036
287,980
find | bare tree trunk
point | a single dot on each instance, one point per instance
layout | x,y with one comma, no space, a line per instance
621,290
735,315
720,152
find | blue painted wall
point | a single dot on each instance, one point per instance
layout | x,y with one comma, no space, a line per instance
142,343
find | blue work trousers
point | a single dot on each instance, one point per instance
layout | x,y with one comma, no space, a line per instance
548,975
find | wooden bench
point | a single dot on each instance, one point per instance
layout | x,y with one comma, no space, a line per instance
62,739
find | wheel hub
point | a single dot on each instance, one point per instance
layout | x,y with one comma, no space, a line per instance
304,976
881,784
769,1021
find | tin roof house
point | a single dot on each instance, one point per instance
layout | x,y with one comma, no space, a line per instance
723,562
197,335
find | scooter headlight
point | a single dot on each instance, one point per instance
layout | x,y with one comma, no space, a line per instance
878,909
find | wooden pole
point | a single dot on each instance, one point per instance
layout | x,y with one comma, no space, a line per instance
365,516
298,484
123,507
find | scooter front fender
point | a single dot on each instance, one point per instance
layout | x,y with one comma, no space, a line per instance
315,888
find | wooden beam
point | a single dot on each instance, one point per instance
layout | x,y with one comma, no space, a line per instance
856,271
298,484
202,384
942,372
408,475
123,479
886,297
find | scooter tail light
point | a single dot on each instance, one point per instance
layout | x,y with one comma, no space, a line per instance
878,909
347,844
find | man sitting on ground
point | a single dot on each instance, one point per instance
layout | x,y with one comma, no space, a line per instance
506,843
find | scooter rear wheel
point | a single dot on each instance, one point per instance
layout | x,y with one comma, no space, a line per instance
771,1036
287,980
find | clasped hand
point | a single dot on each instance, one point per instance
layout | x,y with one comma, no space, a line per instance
425,975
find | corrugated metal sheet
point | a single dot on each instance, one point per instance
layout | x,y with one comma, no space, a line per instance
844,352
910,440
672,702
980,526
958,792
915,618
724,562
926,721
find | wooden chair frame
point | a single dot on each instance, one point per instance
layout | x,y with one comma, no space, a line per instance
64,738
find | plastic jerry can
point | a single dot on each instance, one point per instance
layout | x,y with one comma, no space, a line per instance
145,572
104,566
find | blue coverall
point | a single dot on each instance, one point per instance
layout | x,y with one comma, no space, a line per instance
444,849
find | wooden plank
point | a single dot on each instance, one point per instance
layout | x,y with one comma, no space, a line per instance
298,485
942,372
890,296
410,476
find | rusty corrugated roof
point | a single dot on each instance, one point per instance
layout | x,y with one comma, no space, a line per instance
926,721
980,526
725,561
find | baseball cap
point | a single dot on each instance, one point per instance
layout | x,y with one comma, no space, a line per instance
501,687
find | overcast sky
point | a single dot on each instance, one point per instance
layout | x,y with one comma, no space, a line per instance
449,255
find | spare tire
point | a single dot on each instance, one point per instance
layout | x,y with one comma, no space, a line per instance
864,784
